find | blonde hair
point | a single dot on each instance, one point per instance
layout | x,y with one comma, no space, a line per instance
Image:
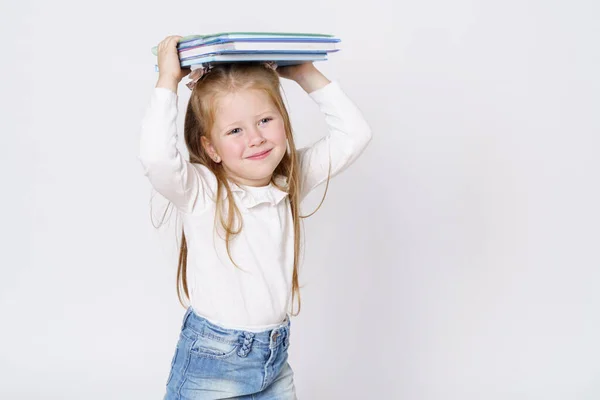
199,120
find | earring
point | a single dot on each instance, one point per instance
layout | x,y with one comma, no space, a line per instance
217,158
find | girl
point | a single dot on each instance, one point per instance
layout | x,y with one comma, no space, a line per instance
239,197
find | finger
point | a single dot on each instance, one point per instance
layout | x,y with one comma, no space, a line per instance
166,41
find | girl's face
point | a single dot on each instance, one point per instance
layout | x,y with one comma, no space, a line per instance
247,124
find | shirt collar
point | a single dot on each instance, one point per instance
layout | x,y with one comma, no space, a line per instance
252,196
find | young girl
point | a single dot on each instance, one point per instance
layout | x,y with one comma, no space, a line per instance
239,197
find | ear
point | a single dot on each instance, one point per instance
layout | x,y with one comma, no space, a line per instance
210,149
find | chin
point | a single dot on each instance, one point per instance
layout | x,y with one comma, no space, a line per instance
256,173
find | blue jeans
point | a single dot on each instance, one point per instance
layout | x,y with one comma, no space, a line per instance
211,362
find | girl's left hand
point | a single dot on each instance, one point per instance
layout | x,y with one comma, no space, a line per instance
296,72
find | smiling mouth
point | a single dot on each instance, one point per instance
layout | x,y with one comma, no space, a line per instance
260,155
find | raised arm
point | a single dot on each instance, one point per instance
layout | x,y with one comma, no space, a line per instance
184,184
348,131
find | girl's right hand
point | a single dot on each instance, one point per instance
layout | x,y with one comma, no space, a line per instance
169,68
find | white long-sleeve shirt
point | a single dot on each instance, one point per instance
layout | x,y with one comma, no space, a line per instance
257,295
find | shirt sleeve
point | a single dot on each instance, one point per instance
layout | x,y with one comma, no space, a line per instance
188,186
349,134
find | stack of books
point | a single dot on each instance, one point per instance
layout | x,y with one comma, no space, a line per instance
279,47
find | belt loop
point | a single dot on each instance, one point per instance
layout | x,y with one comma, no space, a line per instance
247,345
286,339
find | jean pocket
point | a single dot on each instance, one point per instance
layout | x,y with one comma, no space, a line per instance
213,347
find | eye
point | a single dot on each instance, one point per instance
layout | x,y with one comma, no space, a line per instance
235,130
265,120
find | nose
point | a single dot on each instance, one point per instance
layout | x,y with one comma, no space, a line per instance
255,137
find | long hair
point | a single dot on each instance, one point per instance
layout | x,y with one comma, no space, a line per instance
199,119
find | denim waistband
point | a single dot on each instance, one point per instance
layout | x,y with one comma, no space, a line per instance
204,327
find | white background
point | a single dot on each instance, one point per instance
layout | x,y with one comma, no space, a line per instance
458,258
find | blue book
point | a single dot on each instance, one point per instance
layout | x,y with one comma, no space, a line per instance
261,46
